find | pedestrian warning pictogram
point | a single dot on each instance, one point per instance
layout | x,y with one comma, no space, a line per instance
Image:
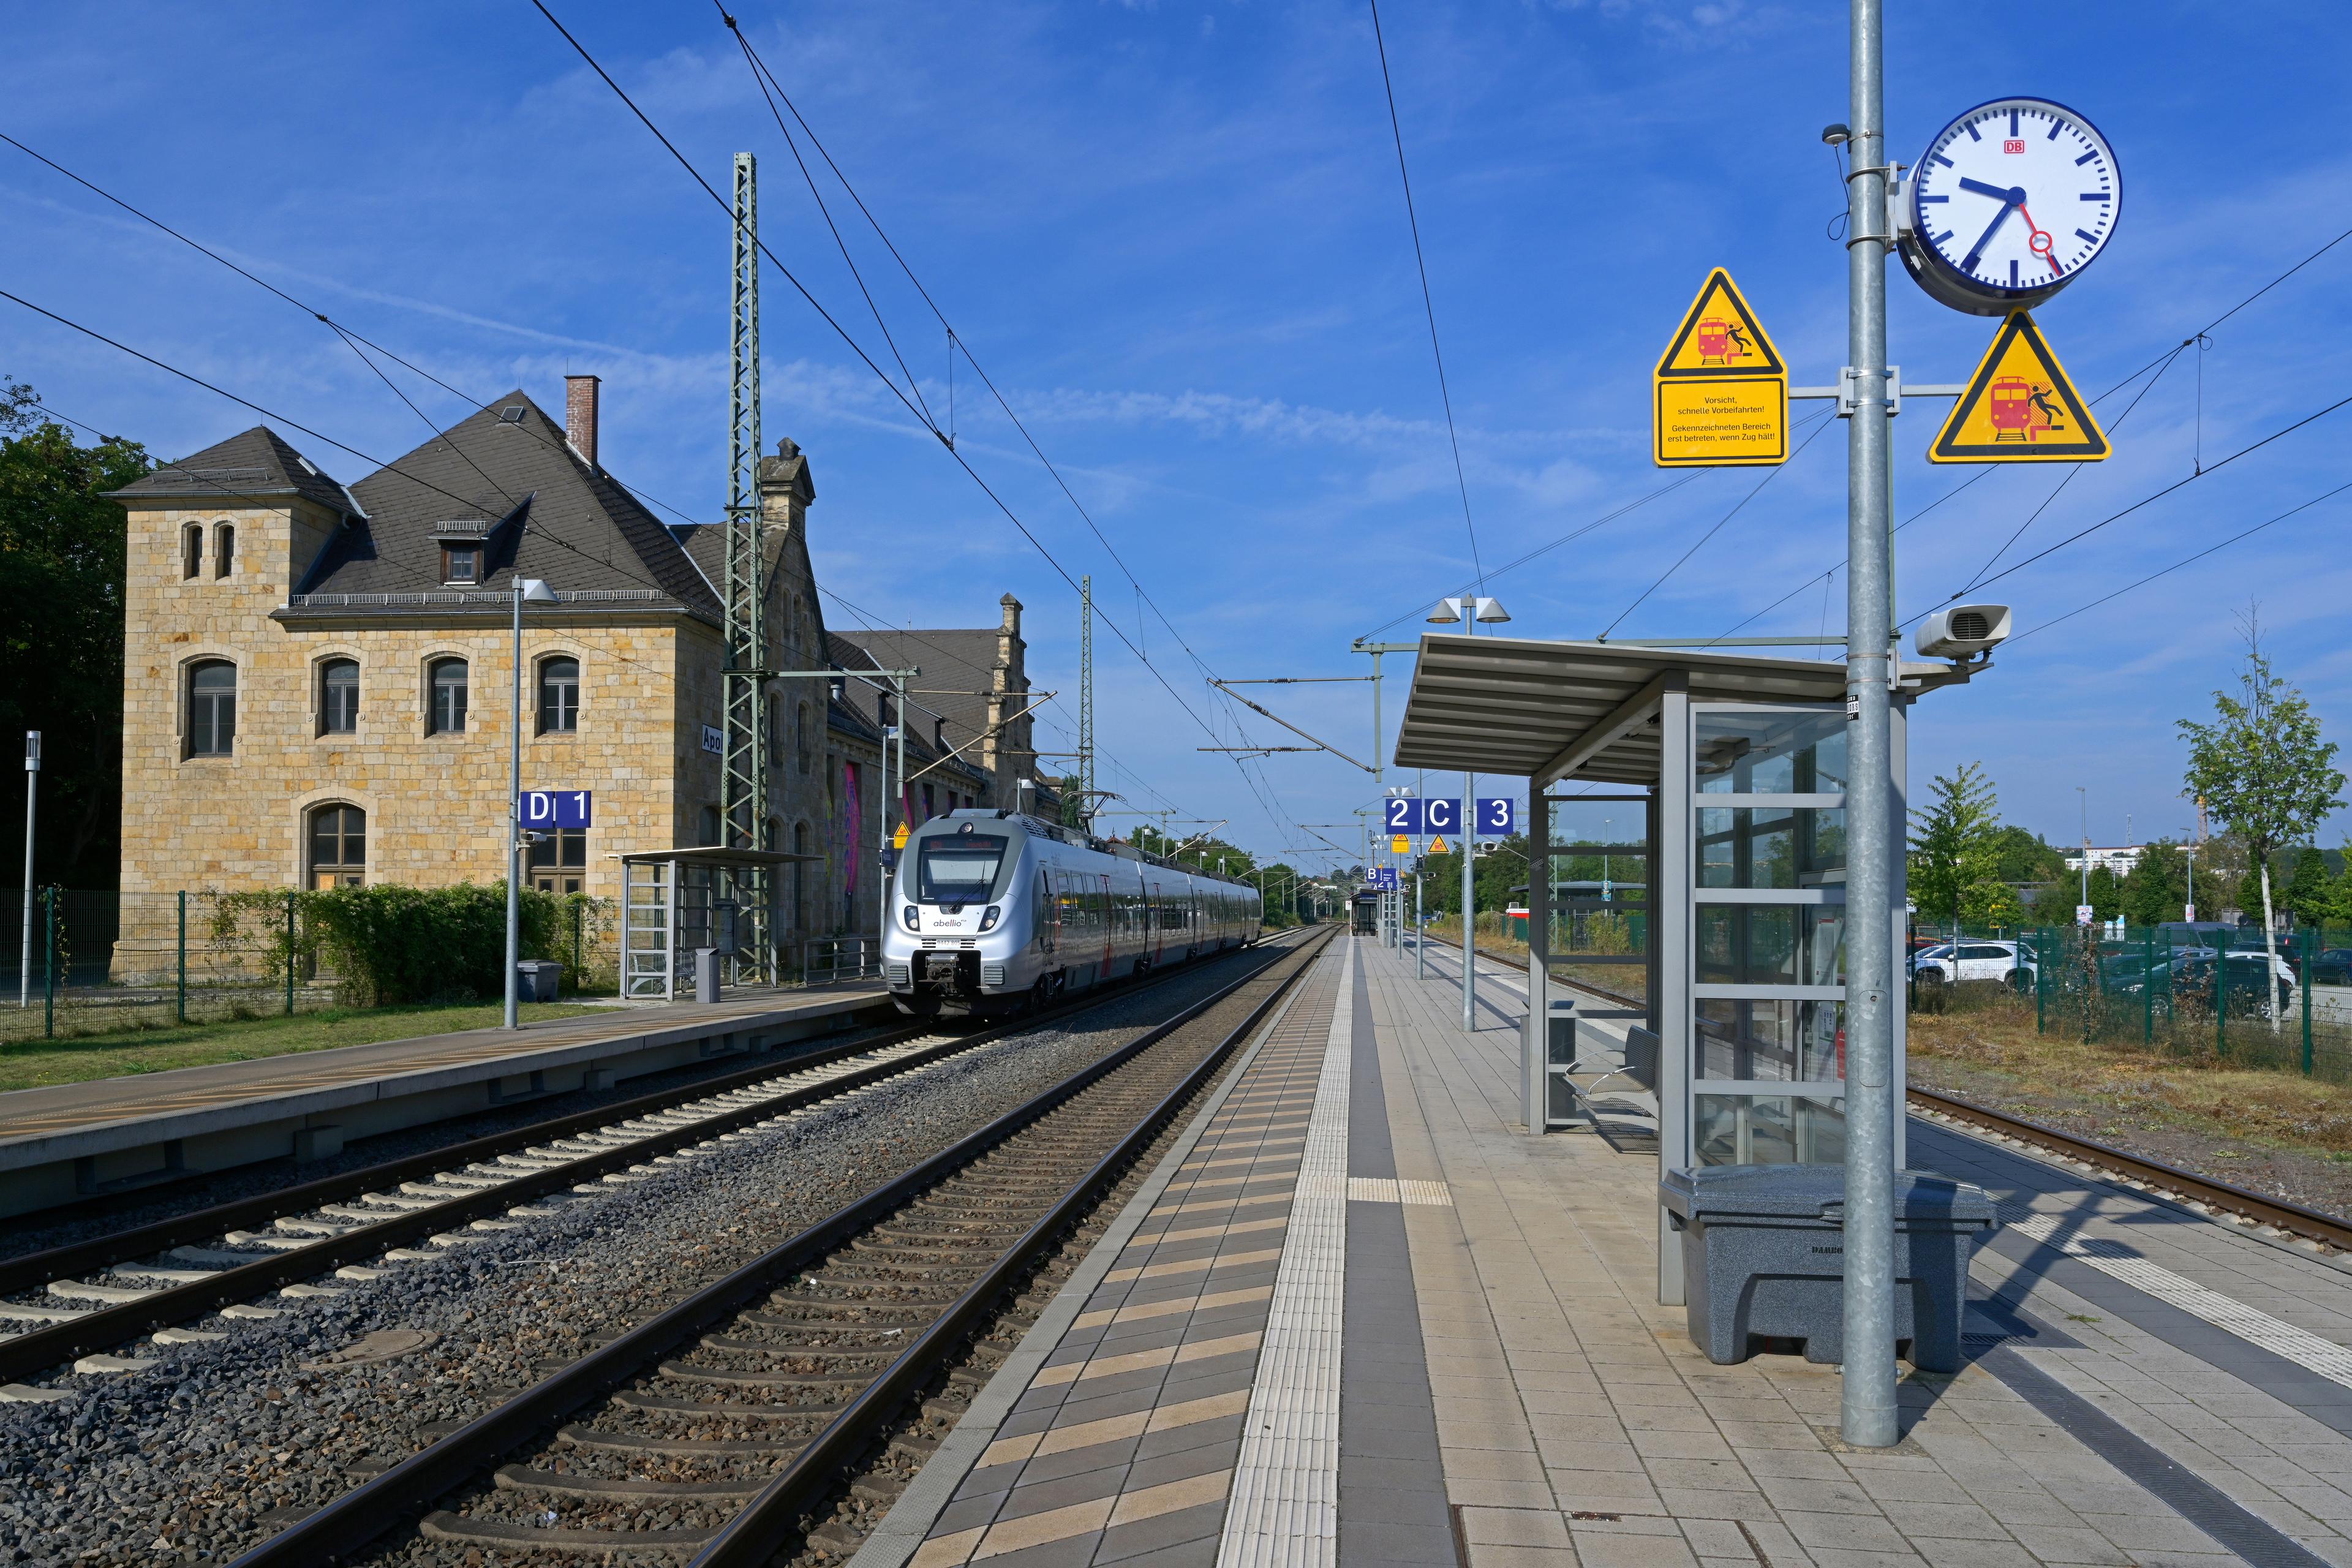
1719,336
1437,847
1720,398
1400,845
2019,407
899,839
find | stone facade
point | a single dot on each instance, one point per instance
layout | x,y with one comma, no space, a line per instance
434,797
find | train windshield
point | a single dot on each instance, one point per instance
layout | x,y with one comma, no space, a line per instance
960,869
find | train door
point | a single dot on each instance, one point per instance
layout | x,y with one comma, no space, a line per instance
1049,915
1107,908
1156,906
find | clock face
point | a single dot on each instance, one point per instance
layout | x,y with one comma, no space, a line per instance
2015,197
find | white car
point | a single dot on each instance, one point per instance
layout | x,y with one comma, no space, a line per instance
1946,962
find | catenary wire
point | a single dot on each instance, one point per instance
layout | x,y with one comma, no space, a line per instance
1428,304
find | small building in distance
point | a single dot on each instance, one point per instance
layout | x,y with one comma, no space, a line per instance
318,678
2116,857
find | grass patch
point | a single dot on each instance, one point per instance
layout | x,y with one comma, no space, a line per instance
31,1064
2130,1089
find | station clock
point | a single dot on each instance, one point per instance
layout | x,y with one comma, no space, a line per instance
2007,204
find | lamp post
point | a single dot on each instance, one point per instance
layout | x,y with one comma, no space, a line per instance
1469,611
32,788
537,593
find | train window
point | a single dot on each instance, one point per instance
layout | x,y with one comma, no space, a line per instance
961,868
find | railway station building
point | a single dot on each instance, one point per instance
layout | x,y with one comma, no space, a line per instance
318,678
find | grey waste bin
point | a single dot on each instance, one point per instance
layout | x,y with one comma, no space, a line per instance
706,975
542,978
1763,1255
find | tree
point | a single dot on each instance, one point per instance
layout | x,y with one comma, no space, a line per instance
1953,842
2261,767
1989,901
2106,894
2156,889
2307,895
62,562
2019,857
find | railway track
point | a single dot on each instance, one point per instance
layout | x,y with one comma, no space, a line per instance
719,1428
320,1237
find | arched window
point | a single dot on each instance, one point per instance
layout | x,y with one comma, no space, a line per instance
223,548
212,709
800,736
192,550
775,732
339,697
447,714
338,846
710,833
799,913
559,696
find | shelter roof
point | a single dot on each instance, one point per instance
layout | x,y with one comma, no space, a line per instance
1551,711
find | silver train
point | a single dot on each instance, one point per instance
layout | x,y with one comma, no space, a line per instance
992,911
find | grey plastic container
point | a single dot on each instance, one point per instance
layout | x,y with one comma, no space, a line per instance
1764,1256
540,979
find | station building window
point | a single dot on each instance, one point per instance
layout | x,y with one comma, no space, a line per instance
559,861
450,679
339,697
212,708
461,565
192,550
223,548
800,736
559,696
710,833
338,846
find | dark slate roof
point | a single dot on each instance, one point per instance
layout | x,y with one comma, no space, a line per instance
253,464
580,530
955,664
858,713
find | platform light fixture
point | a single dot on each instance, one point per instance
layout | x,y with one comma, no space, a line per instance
1469,610
534,590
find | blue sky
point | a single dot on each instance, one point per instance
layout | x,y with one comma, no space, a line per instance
1173,235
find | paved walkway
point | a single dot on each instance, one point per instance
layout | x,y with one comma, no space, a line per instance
1363,1318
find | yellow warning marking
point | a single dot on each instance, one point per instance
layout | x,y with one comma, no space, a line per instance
1437,847
1720,398
899,839
1400,845
2021,406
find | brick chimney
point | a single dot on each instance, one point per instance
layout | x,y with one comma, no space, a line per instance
580,415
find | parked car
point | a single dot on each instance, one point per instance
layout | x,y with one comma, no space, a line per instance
2192,975
1949,963
2332,966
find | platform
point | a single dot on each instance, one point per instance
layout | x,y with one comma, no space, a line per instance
1358,1316
74,1139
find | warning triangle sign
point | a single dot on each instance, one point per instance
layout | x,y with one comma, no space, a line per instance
2019,407
1437,847
1719,336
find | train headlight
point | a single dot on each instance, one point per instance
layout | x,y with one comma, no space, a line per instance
988,920
908,914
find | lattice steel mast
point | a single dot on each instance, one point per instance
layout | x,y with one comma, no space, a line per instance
1086,702
744,790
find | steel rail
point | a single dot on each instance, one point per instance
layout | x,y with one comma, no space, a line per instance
30,1353
2282,1213
350,1523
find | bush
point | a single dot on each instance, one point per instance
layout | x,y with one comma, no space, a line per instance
391,944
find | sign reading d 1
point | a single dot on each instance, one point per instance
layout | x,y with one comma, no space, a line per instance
543,809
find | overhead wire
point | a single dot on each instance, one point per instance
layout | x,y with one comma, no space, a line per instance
1428,304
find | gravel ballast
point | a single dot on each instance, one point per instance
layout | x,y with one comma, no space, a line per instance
197,1459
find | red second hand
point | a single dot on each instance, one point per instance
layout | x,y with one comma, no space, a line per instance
2037,238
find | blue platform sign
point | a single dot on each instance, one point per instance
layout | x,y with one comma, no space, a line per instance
1441,815
1495,817
1404,814
543,809
1384,877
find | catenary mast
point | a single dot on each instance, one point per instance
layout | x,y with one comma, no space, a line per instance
744,790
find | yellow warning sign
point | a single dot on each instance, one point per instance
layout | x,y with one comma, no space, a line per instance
2019,407
899,839
1400,845
1437,847
1720,393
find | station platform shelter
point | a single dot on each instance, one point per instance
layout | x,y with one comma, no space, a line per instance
1355,1314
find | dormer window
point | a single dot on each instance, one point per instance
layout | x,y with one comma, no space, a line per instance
461,563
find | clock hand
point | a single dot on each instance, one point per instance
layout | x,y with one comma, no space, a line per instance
2038,239
1975,250
2009,195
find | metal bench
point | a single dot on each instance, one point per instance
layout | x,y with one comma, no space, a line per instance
1626,1088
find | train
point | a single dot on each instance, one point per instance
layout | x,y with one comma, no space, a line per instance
995,911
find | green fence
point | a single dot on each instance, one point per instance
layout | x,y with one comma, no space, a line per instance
100,962
2191,991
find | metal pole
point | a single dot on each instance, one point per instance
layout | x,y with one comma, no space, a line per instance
49,965
1867,1402
289,953
514,823
32,792
1420,942
180,999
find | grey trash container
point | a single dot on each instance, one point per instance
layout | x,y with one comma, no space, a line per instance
1763,1255
540,979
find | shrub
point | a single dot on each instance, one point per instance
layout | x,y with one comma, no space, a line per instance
393,944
